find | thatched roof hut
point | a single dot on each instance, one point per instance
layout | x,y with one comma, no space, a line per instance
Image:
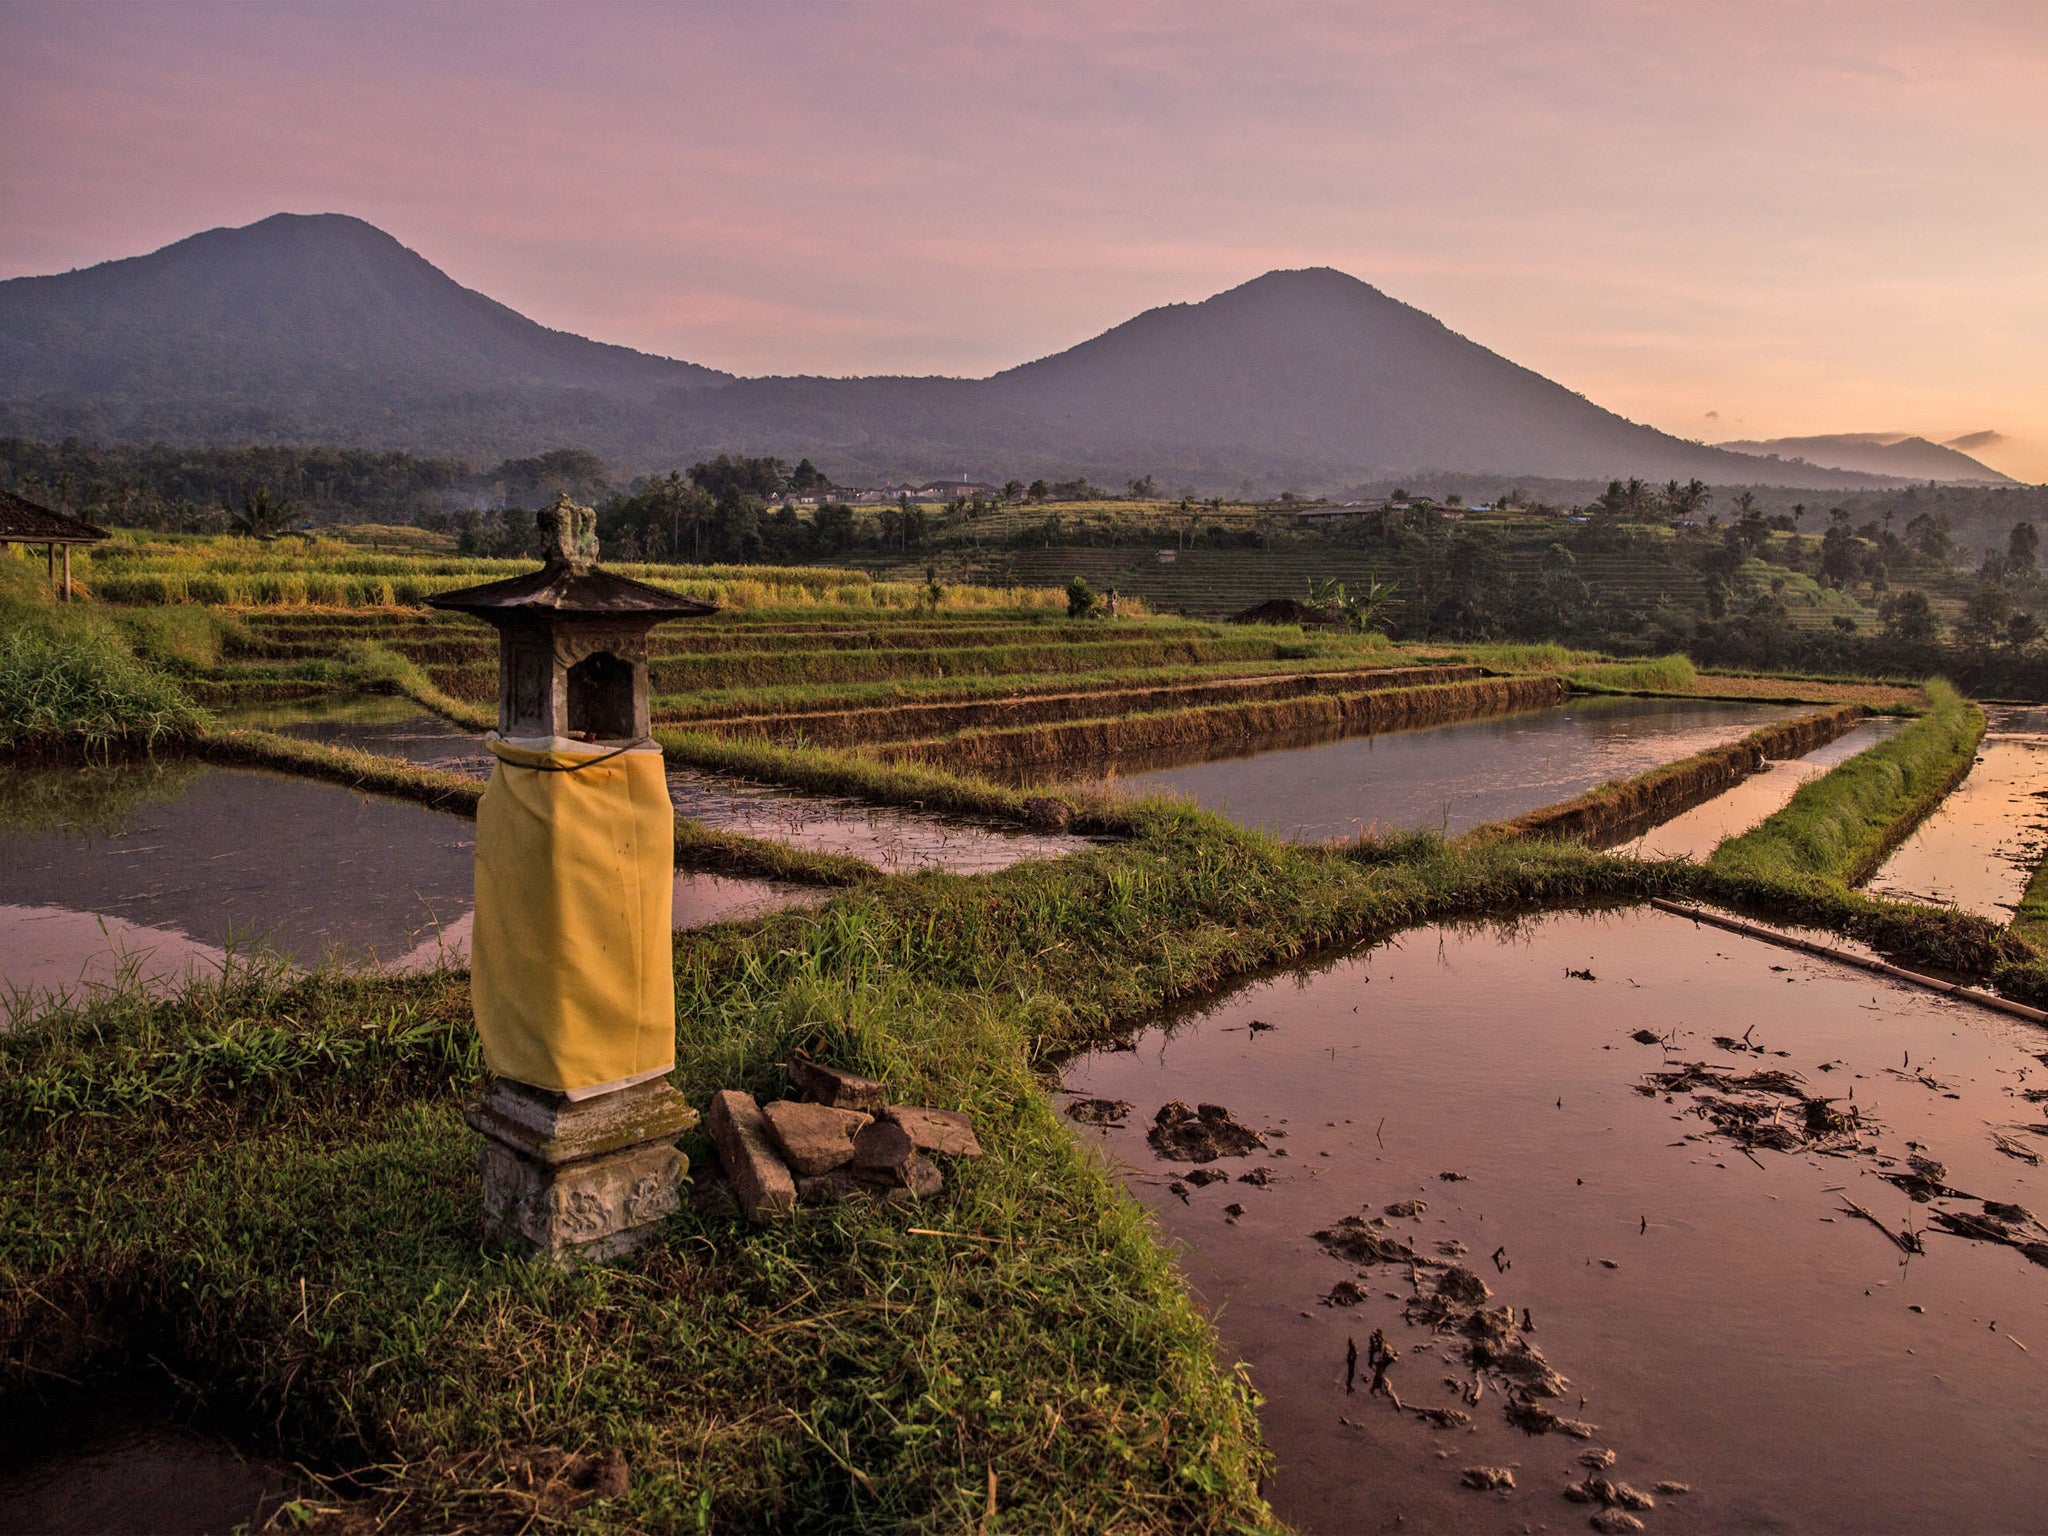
24,522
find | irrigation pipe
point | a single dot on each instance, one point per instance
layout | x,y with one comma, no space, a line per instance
1953,989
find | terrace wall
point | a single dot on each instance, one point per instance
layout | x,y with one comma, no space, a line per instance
1625,810
1365,712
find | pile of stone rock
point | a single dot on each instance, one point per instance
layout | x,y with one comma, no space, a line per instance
839,1139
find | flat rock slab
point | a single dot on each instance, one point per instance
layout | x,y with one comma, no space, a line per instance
945,1131
881,1152
920,1181
836,1089
760,1179
885,1159
813,1138
824,1188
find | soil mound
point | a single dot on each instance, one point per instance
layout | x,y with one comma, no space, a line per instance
1282,610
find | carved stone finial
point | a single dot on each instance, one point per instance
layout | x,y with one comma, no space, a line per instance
568,534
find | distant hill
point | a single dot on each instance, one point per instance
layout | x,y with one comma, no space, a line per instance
1880,453
295,329
324,329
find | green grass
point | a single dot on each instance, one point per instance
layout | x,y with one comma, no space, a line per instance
1839,827
157,570
839,771
715,703
1661,674
2030,918
70,685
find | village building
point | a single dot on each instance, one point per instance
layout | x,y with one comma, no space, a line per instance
946,490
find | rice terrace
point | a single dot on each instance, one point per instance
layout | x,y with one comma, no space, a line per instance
1269,923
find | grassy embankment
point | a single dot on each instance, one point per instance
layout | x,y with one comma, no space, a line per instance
699,849
1838,828
2030,918
1107,736
869,724
71,685
1624,808
944,716
1801,866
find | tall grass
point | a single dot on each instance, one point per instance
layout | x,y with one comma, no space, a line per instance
1511,656
1838,828
2030,919
1659,674
71,686
328,574
185,637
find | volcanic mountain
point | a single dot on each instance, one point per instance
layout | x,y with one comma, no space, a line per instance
310,329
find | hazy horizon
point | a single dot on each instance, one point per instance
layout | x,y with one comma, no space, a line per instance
1743,224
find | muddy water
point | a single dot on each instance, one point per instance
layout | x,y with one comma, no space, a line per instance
1696,833
1979,848
155,887
893,840
1725,1322
1452,777
137,1476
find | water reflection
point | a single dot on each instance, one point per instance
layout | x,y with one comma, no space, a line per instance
890,838
1724,1321
1979,848
1696,833
1453,777
219,861
893,840
386,726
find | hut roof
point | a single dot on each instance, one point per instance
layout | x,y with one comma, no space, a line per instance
23,522
566,591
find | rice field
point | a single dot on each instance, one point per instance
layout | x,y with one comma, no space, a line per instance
317,1120
292,572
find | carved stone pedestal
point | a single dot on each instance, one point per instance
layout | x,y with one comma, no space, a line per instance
582,1180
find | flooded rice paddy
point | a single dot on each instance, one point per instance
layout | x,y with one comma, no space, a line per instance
1451,777
895,841
1979,848
1596,1184
1696,833
382,724
150,873
153,873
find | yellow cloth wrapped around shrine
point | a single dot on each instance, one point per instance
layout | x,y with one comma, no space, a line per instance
571,960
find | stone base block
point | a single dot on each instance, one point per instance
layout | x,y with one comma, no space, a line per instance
583,1180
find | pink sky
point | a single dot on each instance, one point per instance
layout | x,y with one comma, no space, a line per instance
1729,220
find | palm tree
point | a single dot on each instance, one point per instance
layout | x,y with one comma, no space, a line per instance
262,516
